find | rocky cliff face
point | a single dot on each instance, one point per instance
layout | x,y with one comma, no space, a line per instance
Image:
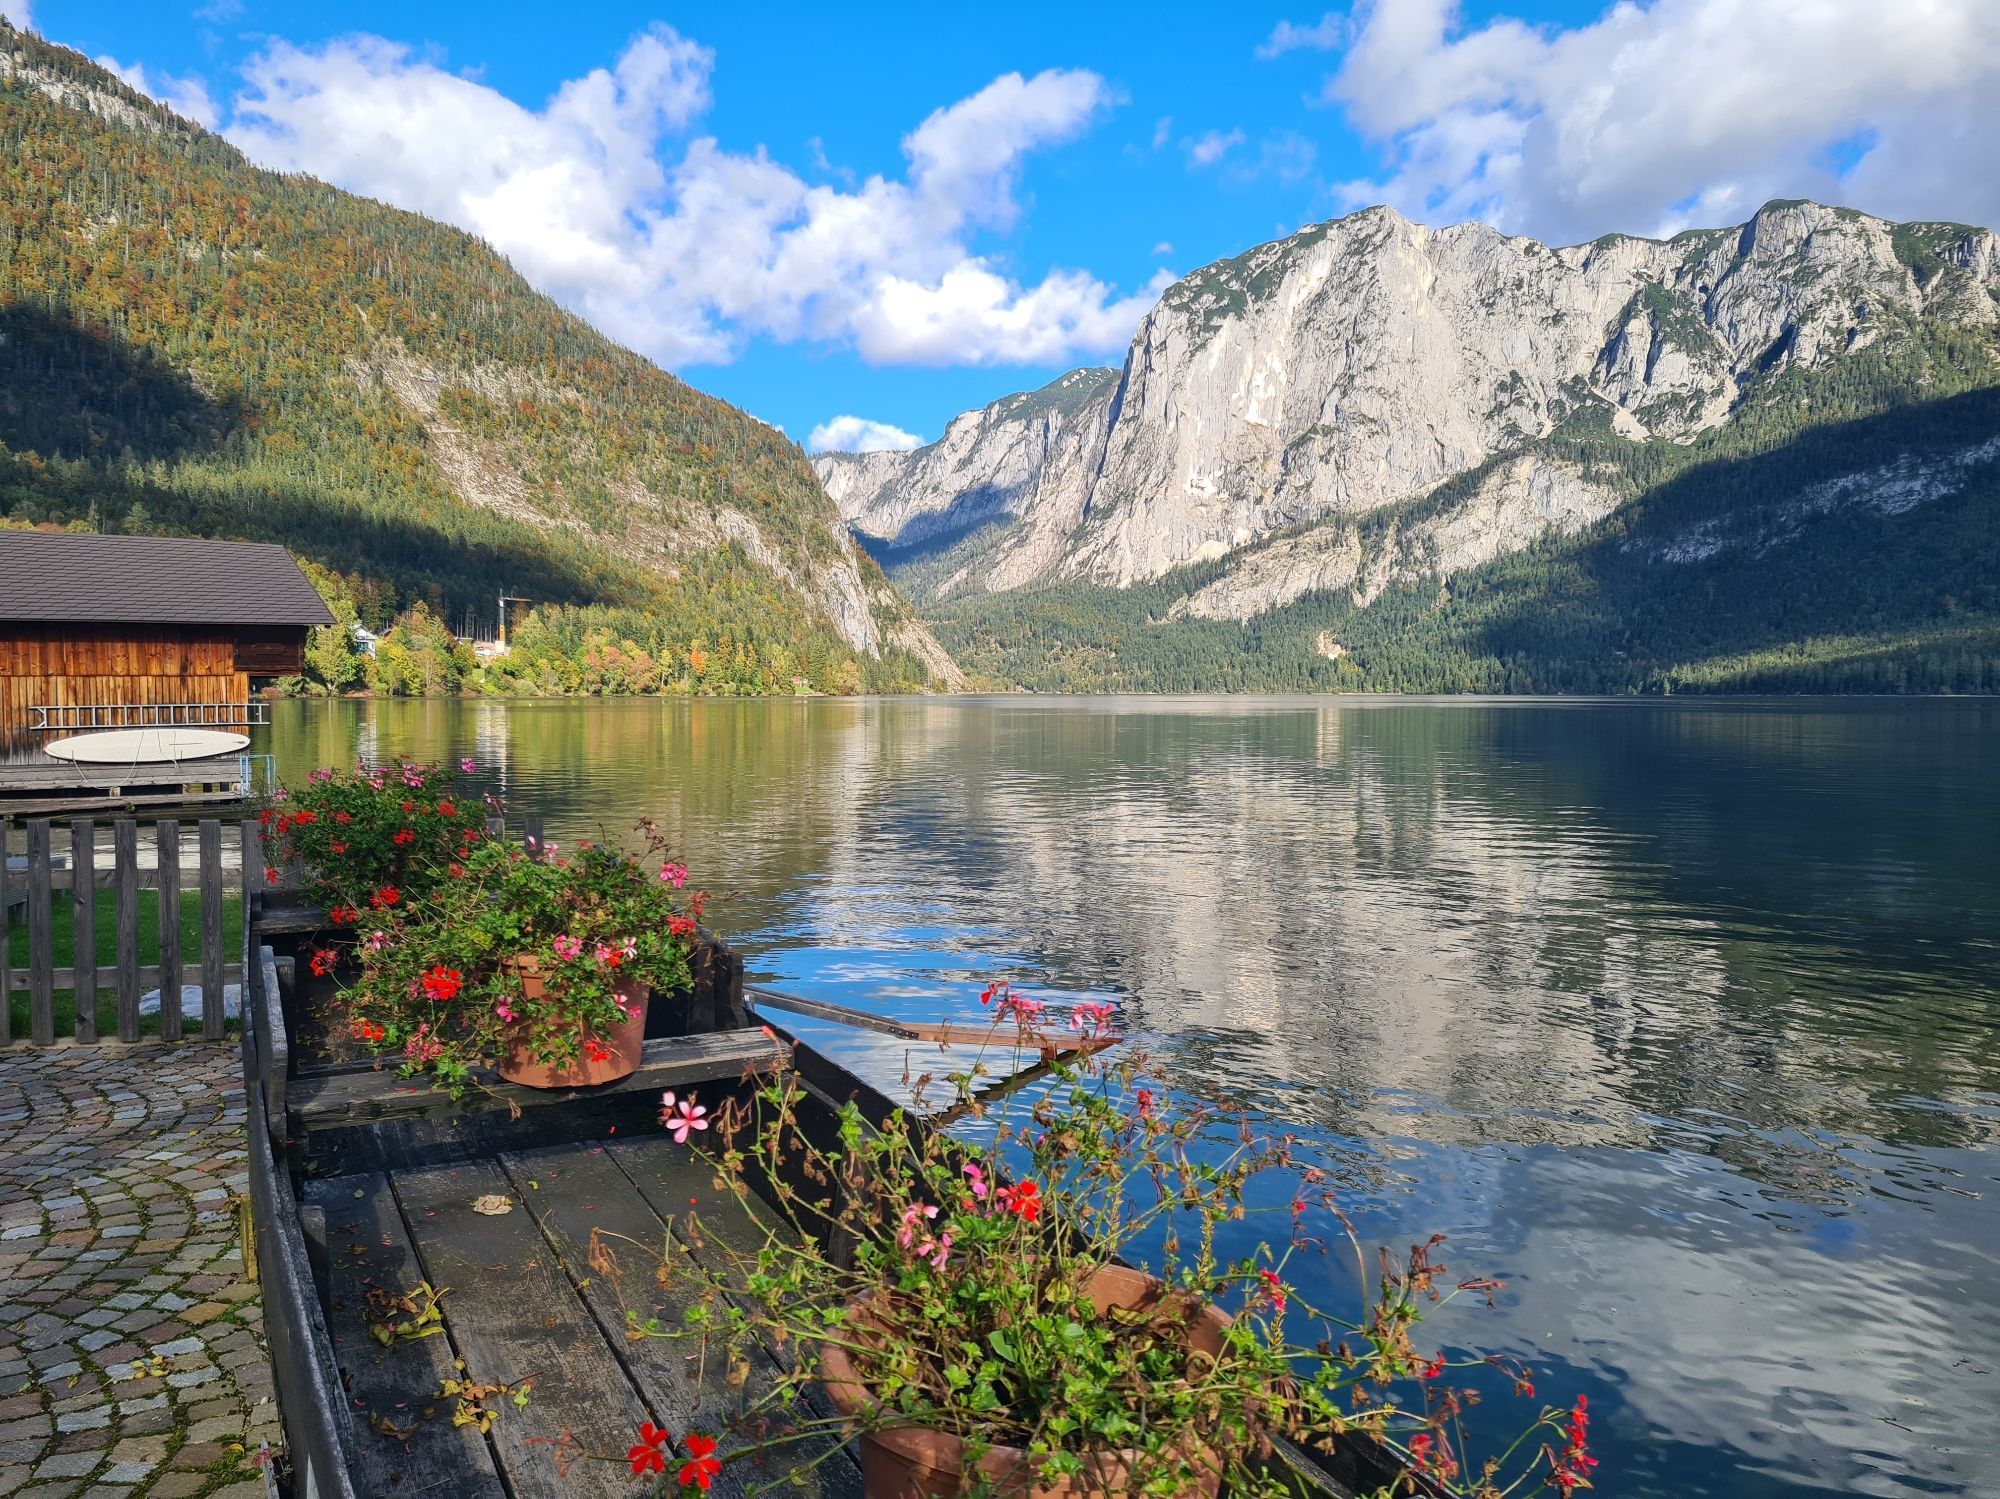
1363,363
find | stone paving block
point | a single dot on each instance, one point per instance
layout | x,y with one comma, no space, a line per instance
126,1322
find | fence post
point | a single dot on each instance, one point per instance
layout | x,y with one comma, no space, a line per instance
6,944
41,939
125,875
83,925
167,839
212,956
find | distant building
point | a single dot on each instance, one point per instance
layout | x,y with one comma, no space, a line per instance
108,632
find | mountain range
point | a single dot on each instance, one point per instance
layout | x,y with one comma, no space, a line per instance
191,344
1375,454
1370,455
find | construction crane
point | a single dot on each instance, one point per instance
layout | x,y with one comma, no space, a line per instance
505,600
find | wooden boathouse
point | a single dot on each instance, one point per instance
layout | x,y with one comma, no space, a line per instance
124,632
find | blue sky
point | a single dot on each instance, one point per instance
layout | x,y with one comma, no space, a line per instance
894,213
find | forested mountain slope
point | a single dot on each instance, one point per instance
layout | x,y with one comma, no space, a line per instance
191,344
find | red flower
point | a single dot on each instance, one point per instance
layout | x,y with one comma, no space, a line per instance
1274,1288
442,984
343,916
339,848
457,871
446,809
1024,1201
367,1030
1144,1096
646,1455
701,1468
598,1052
265,817
300,819
1433,1369
342,818
384,898
270,875
404,836
680,926
323,961
409,806
1571,1469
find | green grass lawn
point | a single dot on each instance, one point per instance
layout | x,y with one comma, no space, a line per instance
63,924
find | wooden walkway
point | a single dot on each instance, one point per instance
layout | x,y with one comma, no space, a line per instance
521,1303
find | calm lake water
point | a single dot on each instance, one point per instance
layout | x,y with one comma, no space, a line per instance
1683,1018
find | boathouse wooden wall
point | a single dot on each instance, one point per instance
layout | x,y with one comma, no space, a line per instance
66,664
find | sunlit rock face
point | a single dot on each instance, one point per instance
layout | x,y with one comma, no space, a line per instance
1366,362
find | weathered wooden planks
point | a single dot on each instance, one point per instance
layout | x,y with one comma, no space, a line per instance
83,909
574,1189
167,842
404,1440
515,1316
214,963
345,1098
41,939
125,859
6,941
29,898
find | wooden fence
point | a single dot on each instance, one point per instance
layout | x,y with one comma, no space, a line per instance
180,864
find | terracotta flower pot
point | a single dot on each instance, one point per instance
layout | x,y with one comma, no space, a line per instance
916,1462
625,1041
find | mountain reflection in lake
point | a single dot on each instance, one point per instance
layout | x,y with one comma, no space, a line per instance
1682,1017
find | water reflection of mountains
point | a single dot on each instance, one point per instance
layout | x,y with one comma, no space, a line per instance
1717,927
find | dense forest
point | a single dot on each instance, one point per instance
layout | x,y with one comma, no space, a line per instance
189,345
1785,590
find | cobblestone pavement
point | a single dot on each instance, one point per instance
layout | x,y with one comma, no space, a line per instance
132,1356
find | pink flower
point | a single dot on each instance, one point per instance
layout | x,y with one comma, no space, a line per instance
377,941
1091,1017
568,948
1025,1011
504,1011
467,766
681,1116
978,1179
937,1251
421,1048
1274,1288
914,1217
673,874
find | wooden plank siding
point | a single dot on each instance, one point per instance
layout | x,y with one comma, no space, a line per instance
94,665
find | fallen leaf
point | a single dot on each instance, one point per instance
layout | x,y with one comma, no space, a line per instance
492,1205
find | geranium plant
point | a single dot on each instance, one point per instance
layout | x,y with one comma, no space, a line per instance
515,949
935,1287
374,833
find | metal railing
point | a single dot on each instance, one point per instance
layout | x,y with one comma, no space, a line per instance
71,717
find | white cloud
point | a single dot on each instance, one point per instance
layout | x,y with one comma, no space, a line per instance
856,434
1329,31
680,247
1164,247
1206,150
18,12
1655,117
188,96
1163,131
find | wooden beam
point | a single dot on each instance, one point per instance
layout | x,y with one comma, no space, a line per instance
944,1033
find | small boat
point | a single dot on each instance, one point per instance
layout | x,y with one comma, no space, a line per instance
366,1188
165,744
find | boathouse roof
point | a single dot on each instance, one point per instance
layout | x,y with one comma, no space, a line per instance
85,579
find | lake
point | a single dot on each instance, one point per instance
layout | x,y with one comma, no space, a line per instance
1683,1017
